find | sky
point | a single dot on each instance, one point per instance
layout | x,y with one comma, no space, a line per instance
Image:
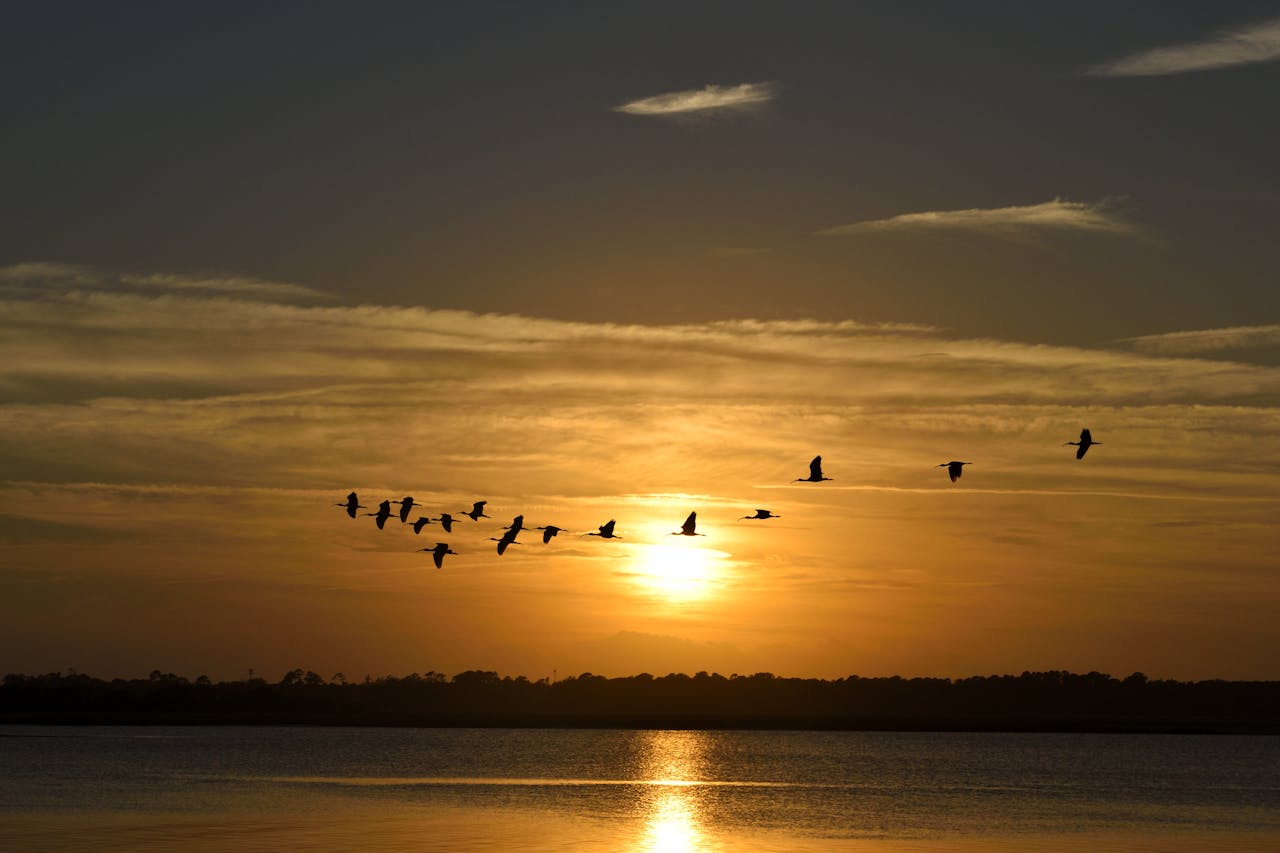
630,261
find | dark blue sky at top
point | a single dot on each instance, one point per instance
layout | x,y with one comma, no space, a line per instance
466,155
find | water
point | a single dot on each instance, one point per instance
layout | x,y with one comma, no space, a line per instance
300,788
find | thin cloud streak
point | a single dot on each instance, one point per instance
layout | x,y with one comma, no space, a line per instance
1229,48
944,490
39,279
709,99
98,345
1207,340
1056,215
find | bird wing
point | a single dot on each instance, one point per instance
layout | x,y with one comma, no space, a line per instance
1085,437
690,524
1083,449
607,528
815,468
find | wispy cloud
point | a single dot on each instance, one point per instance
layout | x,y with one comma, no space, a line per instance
1056,215
36,279
1207,340
1229,48
707,100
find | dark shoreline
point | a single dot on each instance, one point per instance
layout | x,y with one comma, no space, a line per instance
1052,701
699,722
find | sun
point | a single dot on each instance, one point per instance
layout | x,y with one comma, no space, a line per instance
680,572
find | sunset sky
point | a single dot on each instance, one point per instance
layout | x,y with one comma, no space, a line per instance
592,261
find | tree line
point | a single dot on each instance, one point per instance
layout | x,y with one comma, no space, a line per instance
1053,700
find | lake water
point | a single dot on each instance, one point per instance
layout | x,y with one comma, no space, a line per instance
302,788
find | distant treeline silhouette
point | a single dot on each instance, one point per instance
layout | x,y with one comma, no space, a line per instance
1039,701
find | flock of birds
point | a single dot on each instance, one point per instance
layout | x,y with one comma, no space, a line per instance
606,530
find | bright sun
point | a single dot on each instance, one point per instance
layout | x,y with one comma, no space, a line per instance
679,572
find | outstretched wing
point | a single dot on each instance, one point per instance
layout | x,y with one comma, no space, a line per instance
815,468
690,524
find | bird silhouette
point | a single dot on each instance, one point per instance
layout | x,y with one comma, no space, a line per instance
548,532
406,506
352,504
762,513
383,513
438,552
954,469
689,528
516,525
446,521
508,538
420,523
815,472
606,531
1086,441
477,511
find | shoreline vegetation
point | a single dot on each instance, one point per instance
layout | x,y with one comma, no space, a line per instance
1052,701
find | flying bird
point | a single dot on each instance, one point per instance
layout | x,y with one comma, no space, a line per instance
606,531
477,511
406,506
815,472
762,513
508,538
446,521
517,524
1086,441
352,504
438,552
548,532
383,513
954,469
420,523
689,528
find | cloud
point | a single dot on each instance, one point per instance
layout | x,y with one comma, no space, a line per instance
37,279
1207,340
1229,48
1056,215
709,99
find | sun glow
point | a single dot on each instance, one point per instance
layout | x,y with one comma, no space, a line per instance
680,571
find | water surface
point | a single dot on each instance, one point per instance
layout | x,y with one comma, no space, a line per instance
251,788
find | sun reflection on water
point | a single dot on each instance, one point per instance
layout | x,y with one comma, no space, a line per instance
673,766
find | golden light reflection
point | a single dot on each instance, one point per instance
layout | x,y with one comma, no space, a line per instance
679,572
673,767
671,825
